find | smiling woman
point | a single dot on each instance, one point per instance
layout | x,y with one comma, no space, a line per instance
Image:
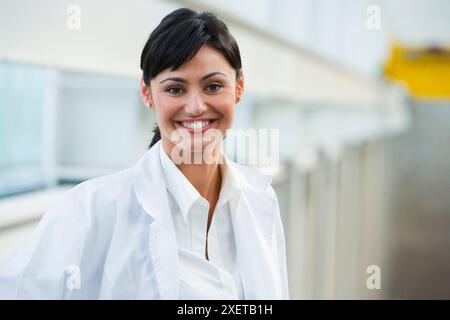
148,232
194,97
202,76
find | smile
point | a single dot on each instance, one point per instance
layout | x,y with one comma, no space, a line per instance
196,126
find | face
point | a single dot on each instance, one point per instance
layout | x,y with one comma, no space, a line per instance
199,96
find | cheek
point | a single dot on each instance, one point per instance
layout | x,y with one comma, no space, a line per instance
227,110
166,110
224,105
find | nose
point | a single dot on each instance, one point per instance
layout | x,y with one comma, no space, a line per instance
195,106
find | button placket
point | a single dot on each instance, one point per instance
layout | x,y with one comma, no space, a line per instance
198,218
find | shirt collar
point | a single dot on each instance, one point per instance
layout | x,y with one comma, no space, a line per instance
230,186
184,192
177,184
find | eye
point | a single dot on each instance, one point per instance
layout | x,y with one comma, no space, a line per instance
175,90
214,87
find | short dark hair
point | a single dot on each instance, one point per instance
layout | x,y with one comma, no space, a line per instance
177,39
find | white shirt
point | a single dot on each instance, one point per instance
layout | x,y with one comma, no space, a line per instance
113,237
218,277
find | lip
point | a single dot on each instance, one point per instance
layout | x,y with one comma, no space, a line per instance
191,130
196,119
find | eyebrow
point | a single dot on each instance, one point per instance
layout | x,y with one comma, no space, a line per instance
209,75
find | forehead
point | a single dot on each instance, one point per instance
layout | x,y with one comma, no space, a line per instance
206,60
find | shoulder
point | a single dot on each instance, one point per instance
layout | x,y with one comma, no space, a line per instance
251,178
256,185
75,232
104,186
93,197
257,189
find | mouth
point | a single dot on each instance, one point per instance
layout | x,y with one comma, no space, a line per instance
197,125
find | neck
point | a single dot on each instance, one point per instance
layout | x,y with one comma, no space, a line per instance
205,177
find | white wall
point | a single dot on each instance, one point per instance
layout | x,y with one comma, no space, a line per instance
113,33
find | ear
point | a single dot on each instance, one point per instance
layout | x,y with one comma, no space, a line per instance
145,93
240,87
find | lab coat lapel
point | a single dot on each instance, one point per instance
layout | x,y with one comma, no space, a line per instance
253,244
150,188
252,232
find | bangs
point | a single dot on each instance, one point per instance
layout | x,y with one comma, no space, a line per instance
176,46
180,35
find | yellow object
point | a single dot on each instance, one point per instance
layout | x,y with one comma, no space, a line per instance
425,71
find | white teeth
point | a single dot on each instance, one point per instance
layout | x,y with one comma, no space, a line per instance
195,124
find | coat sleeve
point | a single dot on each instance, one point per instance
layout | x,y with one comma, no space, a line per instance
279,245
50,265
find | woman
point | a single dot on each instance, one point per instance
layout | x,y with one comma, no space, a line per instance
169,227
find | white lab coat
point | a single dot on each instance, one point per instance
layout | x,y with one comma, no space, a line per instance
112,237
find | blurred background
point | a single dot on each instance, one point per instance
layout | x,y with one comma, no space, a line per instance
359,89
